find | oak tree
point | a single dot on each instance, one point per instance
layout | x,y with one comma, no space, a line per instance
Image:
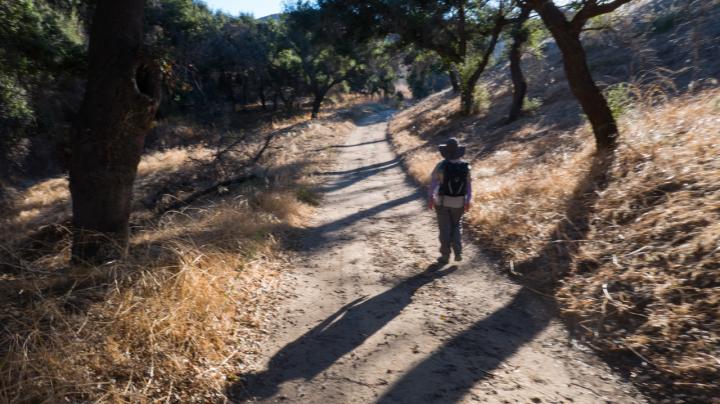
121,97
566,31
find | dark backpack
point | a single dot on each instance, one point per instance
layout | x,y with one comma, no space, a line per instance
454,178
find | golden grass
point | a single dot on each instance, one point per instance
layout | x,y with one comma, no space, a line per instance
163,163
646,278
171,324
184,314
649,279
517,208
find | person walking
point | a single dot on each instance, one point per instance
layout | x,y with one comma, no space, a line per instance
450,195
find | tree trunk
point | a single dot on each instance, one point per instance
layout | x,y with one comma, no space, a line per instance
287,101
578,75
520,36
261,93
227,82
454,80
467,99
317,102
245,95
121,98
467,96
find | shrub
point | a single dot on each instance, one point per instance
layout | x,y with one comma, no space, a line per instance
619,98
532,104
664,23
482,98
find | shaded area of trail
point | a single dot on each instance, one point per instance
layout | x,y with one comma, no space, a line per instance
339,334
370,318
512,324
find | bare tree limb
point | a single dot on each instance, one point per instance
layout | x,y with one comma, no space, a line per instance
246,175
198,194
591,9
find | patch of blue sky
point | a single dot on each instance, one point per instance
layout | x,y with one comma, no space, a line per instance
257,8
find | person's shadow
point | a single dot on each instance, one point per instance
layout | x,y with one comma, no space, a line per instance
342,332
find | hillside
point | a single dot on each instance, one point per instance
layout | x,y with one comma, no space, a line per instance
205,208
635,270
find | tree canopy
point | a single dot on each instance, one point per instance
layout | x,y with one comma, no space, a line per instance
212,62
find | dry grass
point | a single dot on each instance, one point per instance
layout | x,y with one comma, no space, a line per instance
649,281
645,281
172,323
518,206
186,312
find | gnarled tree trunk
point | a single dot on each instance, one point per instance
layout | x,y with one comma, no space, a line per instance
582,85
121,98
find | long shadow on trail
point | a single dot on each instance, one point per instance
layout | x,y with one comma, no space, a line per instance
313,238
342,332
351,177
363,169
346,146
453,369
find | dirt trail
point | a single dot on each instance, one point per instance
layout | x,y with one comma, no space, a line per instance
371,320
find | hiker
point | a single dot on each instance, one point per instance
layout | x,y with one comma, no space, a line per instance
450,195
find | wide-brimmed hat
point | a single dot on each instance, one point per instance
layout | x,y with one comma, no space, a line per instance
451,149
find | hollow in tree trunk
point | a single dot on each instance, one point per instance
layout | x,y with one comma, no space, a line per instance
121,98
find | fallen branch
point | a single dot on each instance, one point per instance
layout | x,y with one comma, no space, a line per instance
198,194
246,167
258,155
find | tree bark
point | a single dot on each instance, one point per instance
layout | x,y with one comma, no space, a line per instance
520,36
318,98
582,85
467,95
121,97
454,80
261,94
287,101
467,99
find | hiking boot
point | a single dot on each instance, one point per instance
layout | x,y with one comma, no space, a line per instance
458,257
443,259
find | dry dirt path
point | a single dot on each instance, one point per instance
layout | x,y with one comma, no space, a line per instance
371,320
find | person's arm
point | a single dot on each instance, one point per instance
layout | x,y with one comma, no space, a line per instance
434,186
468,195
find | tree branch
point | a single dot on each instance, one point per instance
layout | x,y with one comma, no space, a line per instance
592,9
198,194
216,187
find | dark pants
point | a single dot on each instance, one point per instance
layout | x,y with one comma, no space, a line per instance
450,226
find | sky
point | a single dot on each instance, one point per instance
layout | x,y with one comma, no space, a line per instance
262,8
259,8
